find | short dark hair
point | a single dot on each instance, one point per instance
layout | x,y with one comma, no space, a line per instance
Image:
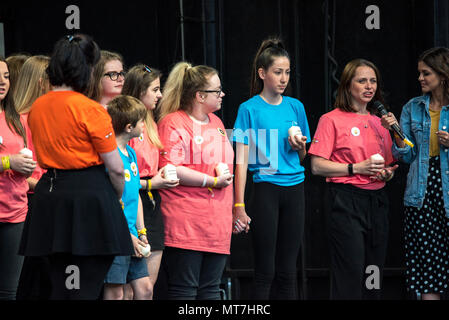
72,61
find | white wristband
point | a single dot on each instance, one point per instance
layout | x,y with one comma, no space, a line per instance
204,181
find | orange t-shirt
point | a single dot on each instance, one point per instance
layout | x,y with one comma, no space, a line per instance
147,154
194,218
70,131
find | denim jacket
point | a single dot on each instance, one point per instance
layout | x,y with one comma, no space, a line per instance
415,123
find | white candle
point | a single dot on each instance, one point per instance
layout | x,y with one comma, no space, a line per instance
295,131
222,169
145,251
26,152
170,172
377,157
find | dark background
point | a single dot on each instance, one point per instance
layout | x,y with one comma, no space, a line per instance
321,36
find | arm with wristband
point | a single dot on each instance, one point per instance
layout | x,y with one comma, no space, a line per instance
241,221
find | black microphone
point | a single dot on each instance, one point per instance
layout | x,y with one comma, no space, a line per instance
380,107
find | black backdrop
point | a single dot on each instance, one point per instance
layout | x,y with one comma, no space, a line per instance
321,36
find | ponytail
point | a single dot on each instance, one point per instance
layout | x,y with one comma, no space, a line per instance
269,50
183,82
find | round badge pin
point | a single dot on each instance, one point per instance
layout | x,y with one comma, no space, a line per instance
127,175
198,140
134,168
355,132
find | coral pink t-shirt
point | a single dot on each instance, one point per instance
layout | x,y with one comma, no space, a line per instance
195,218
13,185
147,154
347,137
38,172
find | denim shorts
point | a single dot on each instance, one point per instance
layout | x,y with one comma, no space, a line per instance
125,269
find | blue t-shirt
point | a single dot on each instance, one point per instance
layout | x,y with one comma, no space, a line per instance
130,195
264,128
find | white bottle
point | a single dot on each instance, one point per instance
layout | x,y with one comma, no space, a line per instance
170,172
26,152
222,169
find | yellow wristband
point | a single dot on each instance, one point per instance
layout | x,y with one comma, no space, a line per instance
215,182
142,232
149,185
237,205
5,163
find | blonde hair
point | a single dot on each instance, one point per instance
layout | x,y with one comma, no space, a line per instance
137,81
30,83
95,89
125,110
183,82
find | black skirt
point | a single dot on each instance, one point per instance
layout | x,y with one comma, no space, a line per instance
153,219
77,212
427,239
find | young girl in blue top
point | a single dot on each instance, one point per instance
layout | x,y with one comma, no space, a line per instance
264,146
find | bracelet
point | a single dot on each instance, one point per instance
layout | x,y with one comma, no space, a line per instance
204,181
350,169
6,163
149,185
215,182
237,205
142,232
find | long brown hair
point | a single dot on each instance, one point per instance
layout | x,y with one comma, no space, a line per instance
269,50
94,89
11,115
343,100
438,60
137,81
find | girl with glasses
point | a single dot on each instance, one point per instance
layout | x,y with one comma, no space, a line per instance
107,79
198,213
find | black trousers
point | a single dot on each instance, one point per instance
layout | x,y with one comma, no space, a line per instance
357,228
10,261
277,230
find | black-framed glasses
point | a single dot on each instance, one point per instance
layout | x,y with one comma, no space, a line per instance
147,68
115,75
217,92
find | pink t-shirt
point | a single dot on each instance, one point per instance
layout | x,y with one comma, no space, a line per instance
13,185
195,218
346,137
147,155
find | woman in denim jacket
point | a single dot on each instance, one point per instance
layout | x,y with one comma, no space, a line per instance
425,122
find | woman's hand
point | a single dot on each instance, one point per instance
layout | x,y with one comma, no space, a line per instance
136,243
369,167
389,120
385,174
159,182
443,138
224,180
240,220
297,143
22,164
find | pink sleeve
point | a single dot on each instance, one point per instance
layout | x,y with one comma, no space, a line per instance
38,172
324,139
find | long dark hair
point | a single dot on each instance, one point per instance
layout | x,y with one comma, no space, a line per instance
269,50
11,115
72,61
438,60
